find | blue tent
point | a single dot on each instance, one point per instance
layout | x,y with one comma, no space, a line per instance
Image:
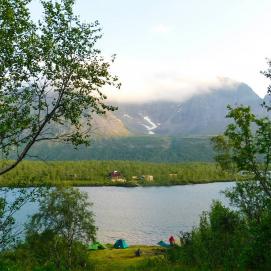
163,244
120,244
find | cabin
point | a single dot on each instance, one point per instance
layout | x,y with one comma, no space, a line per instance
116,176
173,175
148,178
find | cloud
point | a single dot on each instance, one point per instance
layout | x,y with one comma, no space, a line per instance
180,88
146,82
161,28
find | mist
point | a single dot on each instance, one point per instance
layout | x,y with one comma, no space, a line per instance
167,87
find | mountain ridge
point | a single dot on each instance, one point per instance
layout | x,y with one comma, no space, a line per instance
202,114
160,131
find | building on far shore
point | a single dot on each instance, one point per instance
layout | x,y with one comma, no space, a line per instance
116,176
148,178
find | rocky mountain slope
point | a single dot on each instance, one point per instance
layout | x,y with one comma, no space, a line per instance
163,131
202,114
109,125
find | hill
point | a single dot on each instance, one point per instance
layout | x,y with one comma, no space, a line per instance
159,131
136,148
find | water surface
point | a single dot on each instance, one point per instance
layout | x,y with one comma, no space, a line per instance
146,215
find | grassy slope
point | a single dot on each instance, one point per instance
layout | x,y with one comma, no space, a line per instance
122,259
94,173
152,259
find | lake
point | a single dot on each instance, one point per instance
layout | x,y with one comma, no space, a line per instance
146,215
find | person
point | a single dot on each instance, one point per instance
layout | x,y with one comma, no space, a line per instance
138,252
171,240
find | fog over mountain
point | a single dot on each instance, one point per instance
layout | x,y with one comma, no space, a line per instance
162,130
168,87
203,113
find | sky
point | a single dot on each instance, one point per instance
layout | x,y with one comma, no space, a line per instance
175,48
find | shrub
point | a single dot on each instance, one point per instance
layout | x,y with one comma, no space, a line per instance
216,243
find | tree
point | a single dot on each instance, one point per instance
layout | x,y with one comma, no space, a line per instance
238,239
11,201
267,74
245,147
63,224
51,77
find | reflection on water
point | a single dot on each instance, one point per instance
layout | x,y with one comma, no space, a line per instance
145,215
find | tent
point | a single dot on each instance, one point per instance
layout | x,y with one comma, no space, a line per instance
120,244
96,246
163,244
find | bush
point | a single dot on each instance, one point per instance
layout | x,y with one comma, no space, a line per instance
217,242
226,240
258,250
41,252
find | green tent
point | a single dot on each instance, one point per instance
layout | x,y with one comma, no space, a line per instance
120,244
96,246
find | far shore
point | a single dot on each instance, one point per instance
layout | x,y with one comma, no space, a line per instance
113,173
123,185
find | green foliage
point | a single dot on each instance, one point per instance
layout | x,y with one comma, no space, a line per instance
134,148
237,239
82,173
225,240
267,74
258,253
61,229
37,254
51,74
216,242
223,155
246,147
56,235
249,197
246,144
11,201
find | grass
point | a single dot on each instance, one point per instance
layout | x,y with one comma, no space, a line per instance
123,259
94,173
152,259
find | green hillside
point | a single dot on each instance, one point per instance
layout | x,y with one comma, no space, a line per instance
140,148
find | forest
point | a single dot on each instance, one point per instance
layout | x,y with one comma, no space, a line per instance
95,173
160,149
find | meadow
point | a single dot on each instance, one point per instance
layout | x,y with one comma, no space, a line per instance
153,258
95,173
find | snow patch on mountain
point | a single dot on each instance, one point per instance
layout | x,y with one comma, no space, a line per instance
150,127
128,116
179,108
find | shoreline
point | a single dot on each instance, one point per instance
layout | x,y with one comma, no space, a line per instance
128,185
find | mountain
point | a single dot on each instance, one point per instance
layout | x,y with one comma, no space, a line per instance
109,125
202,114
159,131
